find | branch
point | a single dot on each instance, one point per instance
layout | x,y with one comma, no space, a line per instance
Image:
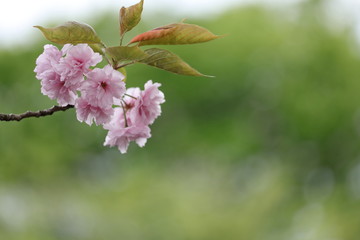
28,114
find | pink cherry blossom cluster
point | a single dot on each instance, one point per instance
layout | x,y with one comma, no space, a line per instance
99,94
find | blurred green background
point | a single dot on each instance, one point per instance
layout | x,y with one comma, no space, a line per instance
267,150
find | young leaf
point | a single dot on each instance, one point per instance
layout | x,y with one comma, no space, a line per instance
123,71
123,53
96,47
71,32
130,17
172,34
168,61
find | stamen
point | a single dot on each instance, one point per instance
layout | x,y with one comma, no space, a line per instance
103,85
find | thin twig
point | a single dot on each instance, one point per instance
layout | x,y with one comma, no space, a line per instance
28,114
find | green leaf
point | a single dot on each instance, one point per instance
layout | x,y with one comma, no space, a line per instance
130,17
166,60
173,34
123,71
71,32
96,47
123,53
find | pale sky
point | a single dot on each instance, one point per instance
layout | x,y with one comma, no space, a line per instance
18,17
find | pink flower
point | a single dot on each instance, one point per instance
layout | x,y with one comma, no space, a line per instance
47,60
61,76
130,99
97,95
89,113
54,88
66,48
51,83
65,73
102,85
146,107
77,61
141,109
122,132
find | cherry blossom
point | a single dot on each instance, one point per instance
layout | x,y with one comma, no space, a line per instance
47,60
66,77
131,121
98,92
54,88
89,113
122,132
62,72
51,83
78,60
102,85
146,107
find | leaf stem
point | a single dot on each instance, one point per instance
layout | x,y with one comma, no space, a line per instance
124,65
121,39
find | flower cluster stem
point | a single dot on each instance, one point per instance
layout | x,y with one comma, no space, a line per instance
124,111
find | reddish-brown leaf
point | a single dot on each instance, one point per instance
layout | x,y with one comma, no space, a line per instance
173,34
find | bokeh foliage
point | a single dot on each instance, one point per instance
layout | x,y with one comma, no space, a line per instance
269,149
